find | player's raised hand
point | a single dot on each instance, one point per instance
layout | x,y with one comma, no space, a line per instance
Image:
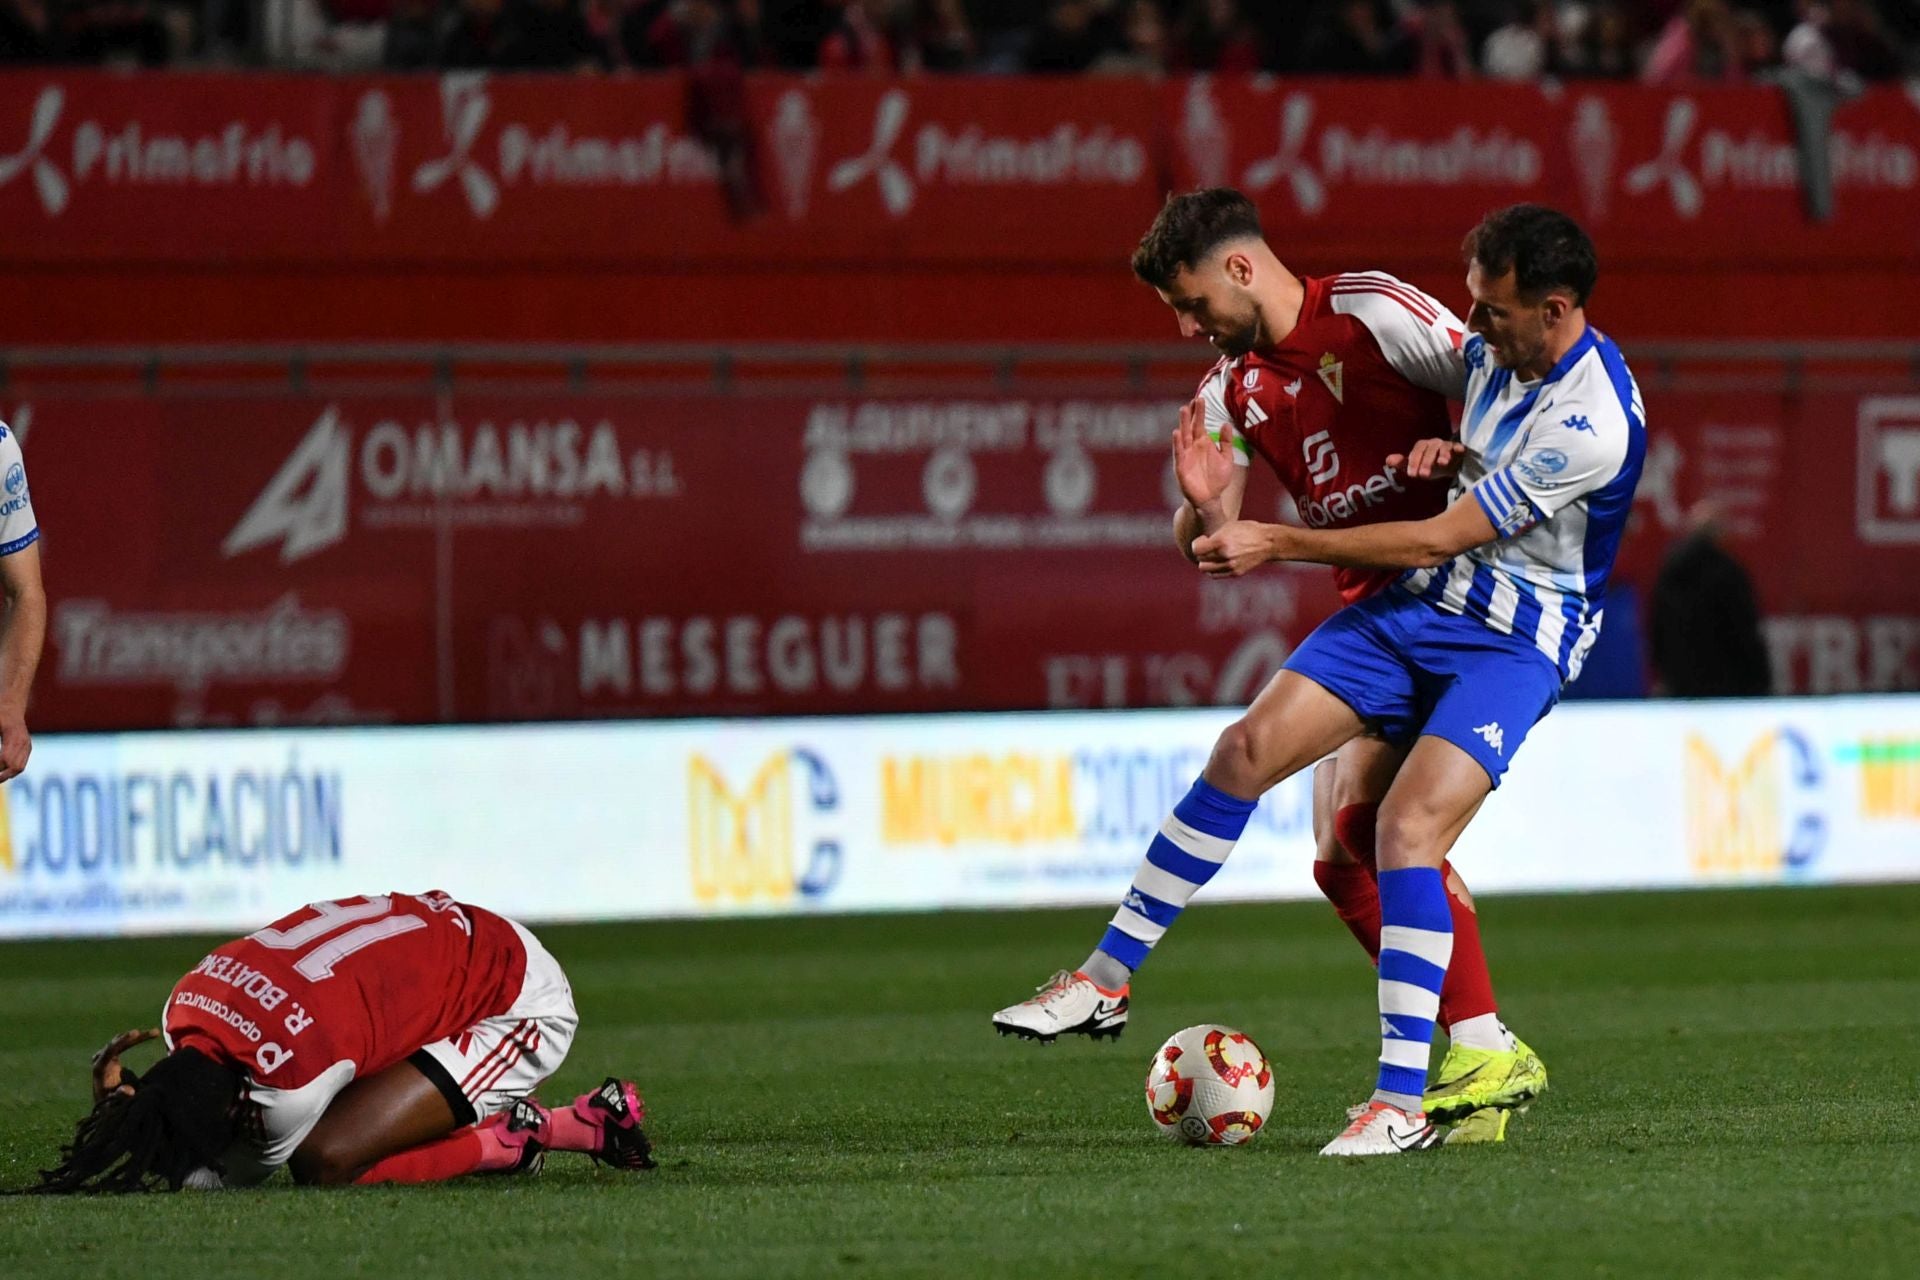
1430,460
1235,549
1204,468
108,1074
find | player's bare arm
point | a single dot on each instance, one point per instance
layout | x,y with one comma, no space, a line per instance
1212,483
1245,545
1430,460
23,631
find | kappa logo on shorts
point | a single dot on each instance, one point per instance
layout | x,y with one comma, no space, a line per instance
1493,736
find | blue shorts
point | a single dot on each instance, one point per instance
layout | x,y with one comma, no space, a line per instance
1408,669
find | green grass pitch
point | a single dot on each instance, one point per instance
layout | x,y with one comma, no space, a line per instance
1734,1079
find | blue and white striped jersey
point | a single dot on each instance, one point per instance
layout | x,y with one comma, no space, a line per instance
1553,463
18,527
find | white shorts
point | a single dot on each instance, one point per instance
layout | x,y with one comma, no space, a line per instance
499,1060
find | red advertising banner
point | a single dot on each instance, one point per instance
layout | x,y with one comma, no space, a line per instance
509,557
468,168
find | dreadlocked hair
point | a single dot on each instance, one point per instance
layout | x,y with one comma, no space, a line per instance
177,1119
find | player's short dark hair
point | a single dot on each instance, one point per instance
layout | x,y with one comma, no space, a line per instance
178,1119
1544,248
1188,228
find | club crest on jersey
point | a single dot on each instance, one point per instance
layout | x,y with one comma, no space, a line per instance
1542,465
1333,373
1251,379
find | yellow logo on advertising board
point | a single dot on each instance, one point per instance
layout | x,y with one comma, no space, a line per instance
1754,815
743,845
1016,798
1889,778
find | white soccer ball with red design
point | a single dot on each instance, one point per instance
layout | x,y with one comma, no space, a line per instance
1210,1086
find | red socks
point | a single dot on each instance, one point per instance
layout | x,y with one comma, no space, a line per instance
489,1146
1468,989
464,1151
1351,888
568,1131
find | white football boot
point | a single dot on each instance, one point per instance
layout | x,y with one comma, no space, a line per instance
1069,1004
1381,1129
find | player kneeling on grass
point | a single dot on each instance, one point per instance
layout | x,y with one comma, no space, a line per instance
396,1038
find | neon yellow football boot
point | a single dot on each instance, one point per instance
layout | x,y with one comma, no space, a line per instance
1471,1080
1489,1124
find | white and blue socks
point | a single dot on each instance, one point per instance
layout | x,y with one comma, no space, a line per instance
1416,942
1193,842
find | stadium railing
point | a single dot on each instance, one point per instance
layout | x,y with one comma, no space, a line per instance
827,368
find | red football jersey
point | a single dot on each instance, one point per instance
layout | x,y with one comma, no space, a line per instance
365,980
1366,372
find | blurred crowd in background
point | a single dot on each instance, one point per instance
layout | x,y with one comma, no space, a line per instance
1658,41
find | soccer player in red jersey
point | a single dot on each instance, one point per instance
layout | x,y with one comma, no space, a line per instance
1335,382
393,1038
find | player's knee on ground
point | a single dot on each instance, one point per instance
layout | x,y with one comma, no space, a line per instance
321,1162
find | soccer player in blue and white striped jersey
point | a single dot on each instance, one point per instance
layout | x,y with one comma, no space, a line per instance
1501,598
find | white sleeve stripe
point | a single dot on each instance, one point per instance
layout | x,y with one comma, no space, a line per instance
1419,313
1425,301
1419,342
1414,300
1497,503
1504,478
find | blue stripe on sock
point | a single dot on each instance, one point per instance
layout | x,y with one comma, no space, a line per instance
1209,809
1151,907
1415,898
1205,809
1130,952
1410,898
1404,966
1172,859
1409,1027
1401,1080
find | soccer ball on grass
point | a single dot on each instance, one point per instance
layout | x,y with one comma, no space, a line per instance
1210,1086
